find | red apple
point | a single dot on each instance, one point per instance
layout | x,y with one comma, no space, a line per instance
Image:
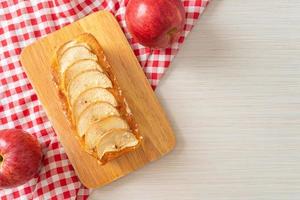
20,157
155,23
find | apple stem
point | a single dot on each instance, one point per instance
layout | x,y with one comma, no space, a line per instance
172,31
1,160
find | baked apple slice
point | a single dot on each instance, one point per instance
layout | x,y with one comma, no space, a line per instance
78,67
94,112
96,130
72,54
84,81
68,45
92,95
114,143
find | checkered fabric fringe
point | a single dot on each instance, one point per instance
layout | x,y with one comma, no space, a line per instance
21,23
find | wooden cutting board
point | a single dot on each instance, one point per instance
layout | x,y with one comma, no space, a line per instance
153,124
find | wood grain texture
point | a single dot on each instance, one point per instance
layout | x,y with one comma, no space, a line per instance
153,125
233,97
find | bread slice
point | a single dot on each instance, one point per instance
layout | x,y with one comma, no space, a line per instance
94,112
98,129
86,80
77,68
93,100
116,140
90,96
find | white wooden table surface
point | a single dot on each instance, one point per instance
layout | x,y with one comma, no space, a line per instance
233,97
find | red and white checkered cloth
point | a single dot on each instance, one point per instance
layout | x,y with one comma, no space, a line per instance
21,23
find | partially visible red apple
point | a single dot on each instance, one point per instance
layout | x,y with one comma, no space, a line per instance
20,157
155,23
